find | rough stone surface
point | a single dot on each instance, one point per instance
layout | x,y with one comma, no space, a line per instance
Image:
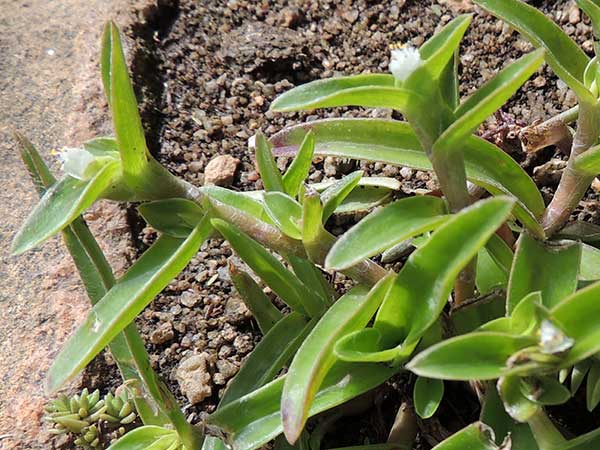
221,170
194,378
50,91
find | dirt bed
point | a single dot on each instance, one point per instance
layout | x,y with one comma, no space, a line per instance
207,72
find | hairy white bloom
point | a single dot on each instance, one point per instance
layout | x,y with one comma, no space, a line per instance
77,162
404,61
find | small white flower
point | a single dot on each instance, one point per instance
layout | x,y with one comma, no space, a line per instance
404,61
77,162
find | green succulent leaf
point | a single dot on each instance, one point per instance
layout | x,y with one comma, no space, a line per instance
394,142
473,356
385,228
300,166
274,350
339,91
265,313
147,438
544,390
315,357
589,269
176,217
422,287
489,275
494,414
312,277
60,205
488,99
516,404
551,268
282,340
143,281
126,118
251,206
562,54
580,370
476,436
255,419
363,199
589,161
439,50
427,395
333,196
271,177
285,212
283,282
592,397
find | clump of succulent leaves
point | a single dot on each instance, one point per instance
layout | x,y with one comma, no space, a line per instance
90,419
499,290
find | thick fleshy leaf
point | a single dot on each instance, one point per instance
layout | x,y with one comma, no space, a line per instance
261,367
592,393
385,228
148,437
587,441
577,316
333,196
274,350
142,282
312,277
551,268
300,166
176,217
494,414
427,395
544,390
500,252
269,172
283,282
265,313
439,50
126,117
580,370
581,231
562,53
590,263
489,275
589,161
474,356
285,213
315,357
517,405
255,419
60,205
477,436
488,99
422,287
325,93
238,200
363,198
394,142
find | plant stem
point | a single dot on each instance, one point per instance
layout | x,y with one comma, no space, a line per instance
573,183
451,175
553,131
367,271
545,433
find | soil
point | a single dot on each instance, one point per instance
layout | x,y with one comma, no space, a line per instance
207,71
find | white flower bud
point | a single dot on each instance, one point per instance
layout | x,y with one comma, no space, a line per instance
79,163
404,62
553,340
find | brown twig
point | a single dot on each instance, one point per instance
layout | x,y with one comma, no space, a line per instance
554,131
